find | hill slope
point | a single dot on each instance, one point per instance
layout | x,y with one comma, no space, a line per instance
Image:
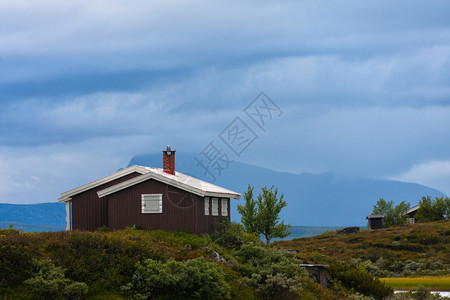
418,249
174,265
313,199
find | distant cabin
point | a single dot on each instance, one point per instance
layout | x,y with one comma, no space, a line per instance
375,222
412,214
150,198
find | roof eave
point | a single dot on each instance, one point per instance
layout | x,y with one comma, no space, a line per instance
64,199
223,195
66,195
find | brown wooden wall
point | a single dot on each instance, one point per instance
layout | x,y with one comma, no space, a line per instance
181,210
375,223
88,211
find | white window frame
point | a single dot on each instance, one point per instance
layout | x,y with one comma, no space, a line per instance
224,207
147,200
207,209
215,206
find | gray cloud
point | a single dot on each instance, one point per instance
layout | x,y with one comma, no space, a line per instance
364,86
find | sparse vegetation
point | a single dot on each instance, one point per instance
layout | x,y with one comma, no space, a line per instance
413,250
152,264
96,264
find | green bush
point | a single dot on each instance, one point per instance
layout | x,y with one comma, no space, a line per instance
356,277
104,229
15,265
49,282
232,235
270,271
76,291
181,238
191,279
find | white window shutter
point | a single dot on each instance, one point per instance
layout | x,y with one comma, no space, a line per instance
151,203
215,206
224,207
206,206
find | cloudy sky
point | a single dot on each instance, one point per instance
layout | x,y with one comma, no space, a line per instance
84,85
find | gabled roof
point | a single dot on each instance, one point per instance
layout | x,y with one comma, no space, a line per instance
66,196
179,180
412,209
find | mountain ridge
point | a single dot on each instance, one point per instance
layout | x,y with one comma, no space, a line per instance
314,200
325,199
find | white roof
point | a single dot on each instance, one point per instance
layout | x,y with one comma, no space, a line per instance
412,209
66,196
179,180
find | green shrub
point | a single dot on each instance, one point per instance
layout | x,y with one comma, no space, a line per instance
271,285
270,271
76,291
49,282
356,277
192,279
15,265
104,229
232,235
135,227
180,238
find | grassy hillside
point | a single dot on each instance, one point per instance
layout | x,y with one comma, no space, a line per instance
140,264
413,250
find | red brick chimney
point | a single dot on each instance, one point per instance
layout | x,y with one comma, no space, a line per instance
169,160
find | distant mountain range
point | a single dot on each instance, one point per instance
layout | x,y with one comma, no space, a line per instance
313,199
33,217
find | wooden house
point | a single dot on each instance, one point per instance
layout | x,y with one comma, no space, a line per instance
150,198
412,214
375,222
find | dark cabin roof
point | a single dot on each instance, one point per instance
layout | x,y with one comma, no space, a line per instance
375,217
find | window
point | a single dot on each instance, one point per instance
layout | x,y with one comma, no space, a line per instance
151,203
224,207
215,206
206,206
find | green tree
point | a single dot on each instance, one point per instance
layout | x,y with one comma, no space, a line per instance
393,215
262,215
400,213
433,210
248,211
